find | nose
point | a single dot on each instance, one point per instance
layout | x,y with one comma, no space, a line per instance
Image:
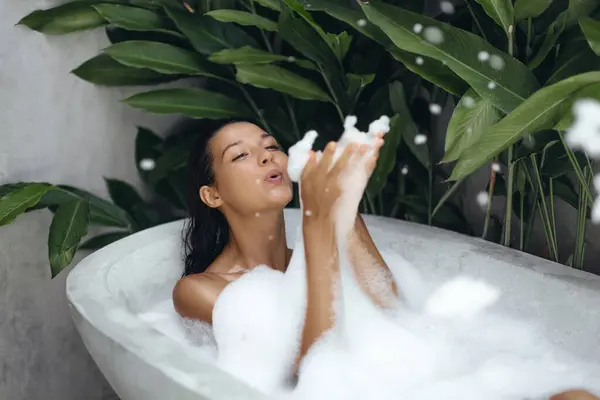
266,157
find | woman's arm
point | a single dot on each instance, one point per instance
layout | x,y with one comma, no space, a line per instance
322,272
369,266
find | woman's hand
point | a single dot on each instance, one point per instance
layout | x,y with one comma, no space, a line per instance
320,185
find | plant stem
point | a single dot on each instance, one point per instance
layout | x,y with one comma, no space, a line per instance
576,167
446,196
475,19
488,211
579,251
521,222
256,109
333,95
551,239
511,168
528,44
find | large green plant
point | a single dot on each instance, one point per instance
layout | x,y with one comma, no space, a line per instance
289,65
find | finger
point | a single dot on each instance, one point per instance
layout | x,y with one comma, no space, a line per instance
377,146
326,158
310,165
342,162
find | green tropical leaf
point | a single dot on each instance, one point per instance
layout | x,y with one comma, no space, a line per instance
591,30
160,57
540,111
589,92
123,194
530,8
306,40
208,35
410,131
194,103
102,212
272,4
471,117
243,18
246,55
172,159
104,239
340,44
576,58
16,202
387,156
356,84
133,18
63,19
298,9
69,225
105,71
268,76
501,11
505,87
430,69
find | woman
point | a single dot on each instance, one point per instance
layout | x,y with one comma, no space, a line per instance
239,190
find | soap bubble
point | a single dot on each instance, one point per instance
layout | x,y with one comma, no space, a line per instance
147,164
496,166
447,7
468,101
404,170
257,214
492,85
291,59
420,139
420,61
433,35
497,62
483,56
435,108
257,181
418,28
483,198
271,237
308,213
361,22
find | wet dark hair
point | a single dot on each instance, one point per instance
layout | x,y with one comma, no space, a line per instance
206,231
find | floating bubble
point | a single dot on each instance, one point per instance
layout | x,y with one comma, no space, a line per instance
483,56
468,101
497,62
418,28
308,213
483,198
147,164
433,35
435,108
257,181
271,237
496,166
291,59
361,22
447,7
257,214
404,170
584,133
420,61
469,130
420,139
492,85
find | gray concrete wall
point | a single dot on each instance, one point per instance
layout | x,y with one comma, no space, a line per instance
56,128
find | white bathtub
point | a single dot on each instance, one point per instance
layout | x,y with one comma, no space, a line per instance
110,286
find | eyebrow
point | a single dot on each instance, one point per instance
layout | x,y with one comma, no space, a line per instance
264,135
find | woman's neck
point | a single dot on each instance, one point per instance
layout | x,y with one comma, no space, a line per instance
259,239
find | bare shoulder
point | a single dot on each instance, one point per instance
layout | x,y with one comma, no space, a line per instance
194,296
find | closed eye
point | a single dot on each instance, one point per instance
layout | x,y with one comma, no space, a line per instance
273,147
239,156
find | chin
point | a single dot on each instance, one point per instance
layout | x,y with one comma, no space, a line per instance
281,197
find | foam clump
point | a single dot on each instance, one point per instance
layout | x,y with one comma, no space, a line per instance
584,133
298,153
462,297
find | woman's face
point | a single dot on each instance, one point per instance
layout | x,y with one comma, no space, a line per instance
250,170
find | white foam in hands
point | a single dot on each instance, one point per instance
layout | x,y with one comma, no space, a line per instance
298,153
